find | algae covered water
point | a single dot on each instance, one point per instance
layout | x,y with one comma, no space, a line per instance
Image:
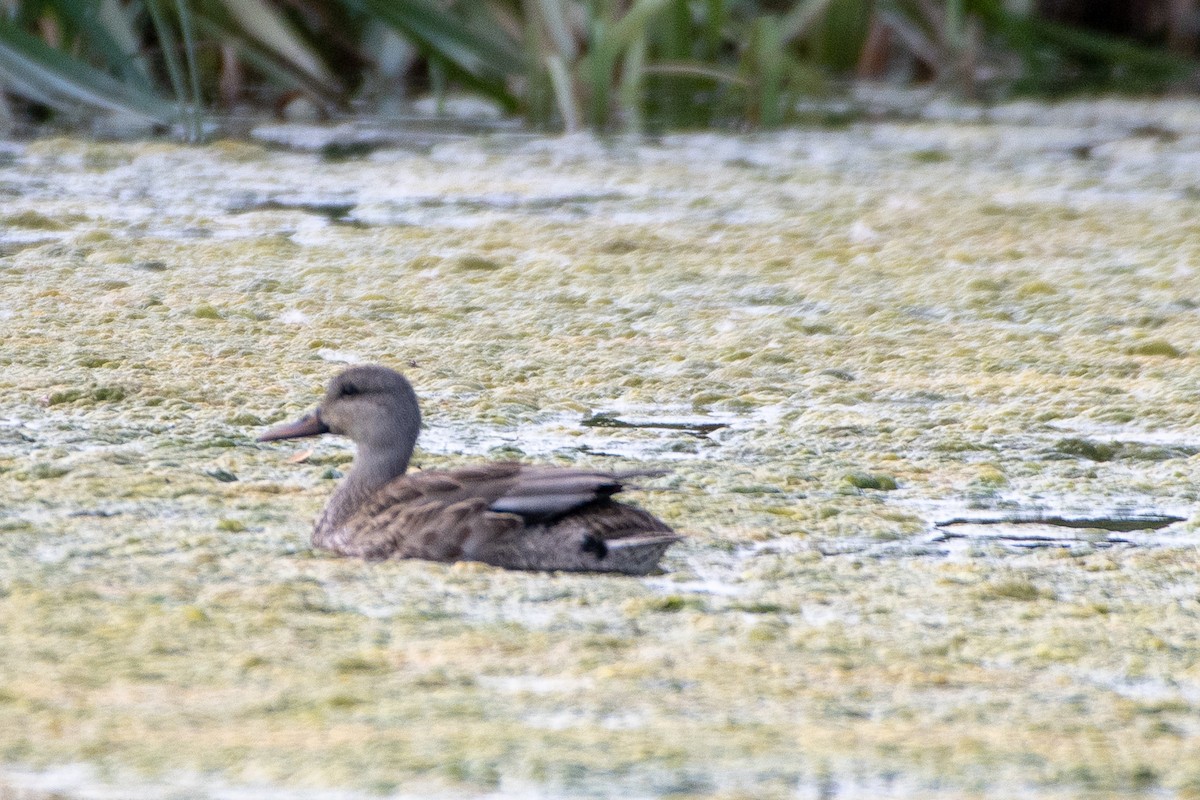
833,339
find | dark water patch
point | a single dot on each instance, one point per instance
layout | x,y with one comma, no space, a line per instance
1158,133
11,248
336,213
222,475
100,513
1027,531
506,202
349,151
1116,523
340,212
693,428
33,220
357,140
620,246
1119,451
152,266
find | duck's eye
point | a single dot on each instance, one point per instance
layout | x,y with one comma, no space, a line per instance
349,390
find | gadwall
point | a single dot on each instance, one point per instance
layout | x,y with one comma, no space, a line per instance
505,514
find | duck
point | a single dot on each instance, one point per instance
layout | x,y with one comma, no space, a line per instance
507,514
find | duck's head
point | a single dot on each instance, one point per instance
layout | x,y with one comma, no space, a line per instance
375,406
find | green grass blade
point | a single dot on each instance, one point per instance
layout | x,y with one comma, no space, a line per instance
554,18
167,45
697,70
272,31
838,41
954,24
441,33
674,42
1039,41
596,72
189,53
564,96
483,60
635,23
608,42
277,71
716,15
105,30
802,18
632,80
538,99
36,70
770,62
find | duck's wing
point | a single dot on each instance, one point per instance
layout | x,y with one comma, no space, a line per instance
540,494
510,515
571,522
533,493
429,514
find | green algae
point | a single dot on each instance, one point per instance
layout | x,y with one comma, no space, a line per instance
1155,347
1110,451
1015,589
477,263
844,308
206,312
1085,448
34,221
43,471
65,396
866,480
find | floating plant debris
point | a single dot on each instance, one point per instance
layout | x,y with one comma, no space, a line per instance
1117,523
337,213
694,428
1051,530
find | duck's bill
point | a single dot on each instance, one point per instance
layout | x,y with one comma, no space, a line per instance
308,425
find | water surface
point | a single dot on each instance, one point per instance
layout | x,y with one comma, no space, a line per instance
996,315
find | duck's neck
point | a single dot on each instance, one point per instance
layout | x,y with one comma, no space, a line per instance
373,468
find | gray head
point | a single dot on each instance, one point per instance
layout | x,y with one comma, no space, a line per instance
375,406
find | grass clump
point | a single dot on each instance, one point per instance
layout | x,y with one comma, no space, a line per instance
670,604
866,480
1021,589
65,396
1113,451
207,312
1155,347
1035,288
990,477
1086,448
44,471
351,665
108,394
477,263
32,220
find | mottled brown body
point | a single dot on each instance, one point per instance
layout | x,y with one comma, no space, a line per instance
506,514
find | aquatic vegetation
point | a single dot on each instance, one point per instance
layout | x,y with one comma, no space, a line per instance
1094,451
638,65
1155,347
761,316
865,480
1015,589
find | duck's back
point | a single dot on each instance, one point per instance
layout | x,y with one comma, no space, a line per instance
506,514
